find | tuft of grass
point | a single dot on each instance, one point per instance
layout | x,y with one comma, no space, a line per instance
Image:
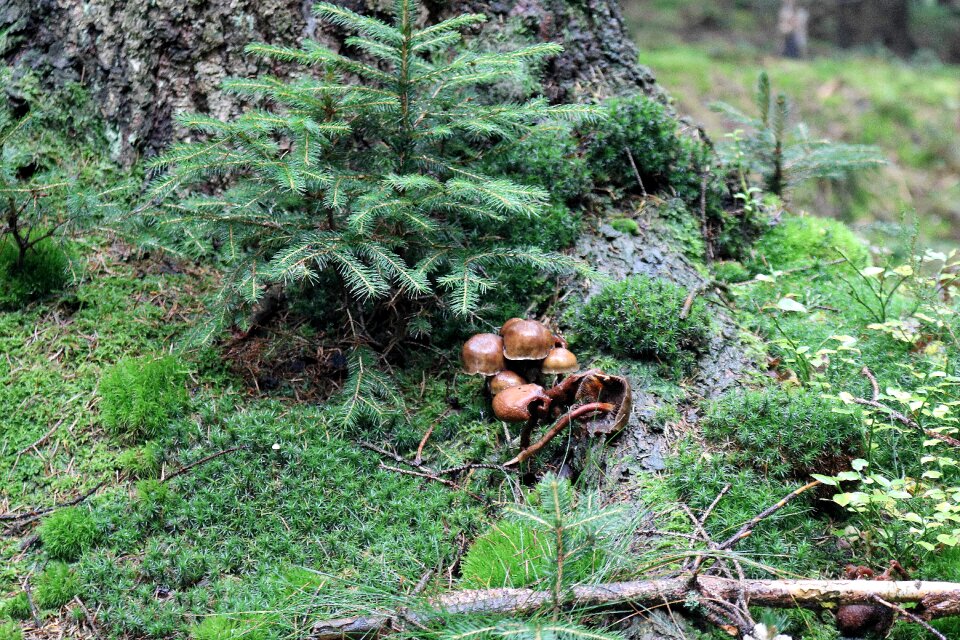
785,433
803,240
56,586
68,532
509,554
639,317
16,607
45,270
224,627
139,396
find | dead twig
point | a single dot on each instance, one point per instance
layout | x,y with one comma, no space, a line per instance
910,616
213,456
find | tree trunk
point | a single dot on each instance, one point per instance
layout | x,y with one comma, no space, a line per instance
146,62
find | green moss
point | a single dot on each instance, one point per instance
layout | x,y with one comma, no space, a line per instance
45,270
785,433
803,240
16,608
225,627
139,396
510,554
640,318
141,462
730,271
56,586
68,532
10,631
626,225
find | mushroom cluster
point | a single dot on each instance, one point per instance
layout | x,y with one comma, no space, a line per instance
525,354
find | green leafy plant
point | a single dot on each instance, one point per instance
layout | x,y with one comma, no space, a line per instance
55,586
375,178
139,396
641,317
781,159
68,532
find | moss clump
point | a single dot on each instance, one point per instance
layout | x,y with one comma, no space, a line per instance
141,395
10,631
56,586
802,240
730,271
640,318
510,554
45,269
785,433
223,627
626,225
15,608
68,532
141,462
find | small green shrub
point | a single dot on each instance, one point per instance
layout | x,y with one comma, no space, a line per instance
141,462
10,631
510,554
802,240
785,433
45,269
141,395
68,532
56,586
626,225
730,271
15,608
640,318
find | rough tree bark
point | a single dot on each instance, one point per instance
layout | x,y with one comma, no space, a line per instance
145,62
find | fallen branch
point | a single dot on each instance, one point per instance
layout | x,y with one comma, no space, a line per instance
934,599
913,618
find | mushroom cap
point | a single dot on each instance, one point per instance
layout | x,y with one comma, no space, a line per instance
526,340
505,380
560,360
483,355
515,404
597,386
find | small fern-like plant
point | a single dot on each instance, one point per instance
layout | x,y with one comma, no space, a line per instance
365,166
781,158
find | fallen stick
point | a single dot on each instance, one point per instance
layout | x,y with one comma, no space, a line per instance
935,599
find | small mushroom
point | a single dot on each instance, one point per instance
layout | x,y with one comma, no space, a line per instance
483,355
526,340
560,361
520,404
505,380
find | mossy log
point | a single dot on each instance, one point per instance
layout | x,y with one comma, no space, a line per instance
934,599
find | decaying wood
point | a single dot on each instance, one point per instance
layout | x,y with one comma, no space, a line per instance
934,599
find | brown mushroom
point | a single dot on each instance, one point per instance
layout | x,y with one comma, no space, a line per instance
483,355
505,380
526,340
560,361
520,404
609,389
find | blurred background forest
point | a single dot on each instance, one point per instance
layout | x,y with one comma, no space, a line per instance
881,72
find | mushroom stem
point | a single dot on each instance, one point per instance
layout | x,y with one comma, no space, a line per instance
527,431
527,452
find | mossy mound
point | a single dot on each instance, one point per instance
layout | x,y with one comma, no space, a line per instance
799,241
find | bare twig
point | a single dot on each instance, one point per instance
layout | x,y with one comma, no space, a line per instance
204,460
747,529
910,616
